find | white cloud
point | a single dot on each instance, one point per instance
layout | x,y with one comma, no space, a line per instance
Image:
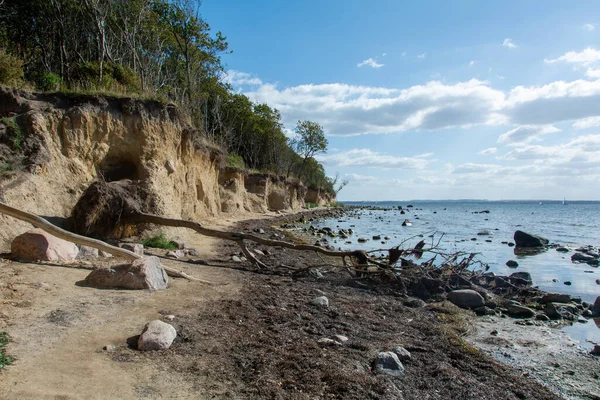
593,73
509,43
370,62
369,158
591,122
422,55
384,54
491,150
526,134
238,78
361,178
589,27
586,57
472,62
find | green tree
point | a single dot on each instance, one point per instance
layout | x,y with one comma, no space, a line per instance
310,142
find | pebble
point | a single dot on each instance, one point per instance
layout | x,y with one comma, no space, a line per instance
402,353
109,348
169,317
388,363
320,301
341,338
328,342
236,259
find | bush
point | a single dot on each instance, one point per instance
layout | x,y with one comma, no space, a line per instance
160,242
235,161
114,77
336,204
13,132
11,69
5,359
311,205
48,82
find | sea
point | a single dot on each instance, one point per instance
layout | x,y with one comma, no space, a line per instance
456,224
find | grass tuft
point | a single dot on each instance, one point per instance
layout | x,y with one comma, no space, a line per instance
5,359
160,241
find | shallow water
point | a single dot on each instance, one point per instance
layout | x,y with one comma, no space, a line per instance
572,225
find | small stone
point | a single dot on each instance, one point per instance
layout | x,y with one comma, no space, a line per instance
156,335
109,348
104,254
481,311
377,237
402,353
562,249
512,264
362,240
596,350
236,259
341,338
175,254
137,248
328,342
87,252
260,231
542,317
568,283
170,166
388,363
522,275
321,301
170,317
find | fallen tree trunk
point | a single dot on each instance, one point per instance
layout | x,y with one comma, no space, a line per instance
60,233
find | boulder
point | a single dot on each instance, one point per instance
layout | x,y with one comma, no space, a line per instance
519,311
145,273
37,244
137,248
466,298
562,311
388,363
523,239
481,311
362,240
585,258
596,307
156,335
87,252
555,298
521,275
512,264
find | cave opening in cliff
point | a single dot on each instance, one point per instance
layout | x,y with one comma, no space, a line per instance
116,169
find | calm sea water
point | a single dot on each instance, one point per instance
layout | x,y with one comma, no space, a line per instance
573,224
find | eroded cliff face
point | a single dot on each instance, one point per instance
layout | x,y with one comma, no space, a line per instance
83,138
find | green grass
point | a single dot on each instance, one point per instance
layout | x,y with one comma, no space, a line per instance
160,241
14,131
5,359
336,204
235,161
311,205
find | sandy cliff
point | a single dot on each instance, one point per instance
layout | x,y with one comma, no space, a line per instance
70,141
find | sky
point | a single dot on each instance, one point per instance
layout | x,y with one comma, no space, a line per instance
430,99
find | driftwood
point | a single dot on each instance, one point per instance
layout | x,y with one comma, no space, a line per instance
60,233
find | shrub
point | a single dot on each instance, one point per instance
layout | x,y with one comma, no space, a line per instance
160,242
11,69
235,161
5,359
311,205
114,77
48,82
336,204
13,132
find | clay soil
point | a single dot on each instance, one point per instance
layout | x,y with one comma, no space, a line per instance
255,337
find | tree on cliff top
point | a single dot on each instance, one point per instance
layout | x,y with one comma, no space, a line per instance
310,142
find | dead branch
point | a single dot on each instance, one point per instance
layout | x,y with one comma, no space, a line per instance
60,233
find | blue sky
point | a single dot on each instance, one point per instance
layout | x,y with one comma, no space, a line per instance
431,99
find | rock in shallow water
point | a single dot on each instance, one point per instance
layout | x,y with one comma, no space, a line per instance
523,239
515,310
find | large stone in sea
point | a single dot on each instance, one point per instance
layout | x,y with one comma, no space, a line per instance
144,273
466,298
156,335
37,244
523,239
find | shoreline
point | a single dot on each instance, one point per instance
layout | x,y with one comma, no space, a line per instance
232,339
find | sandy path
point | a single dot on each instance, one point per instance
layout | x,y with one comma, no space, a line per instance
59,328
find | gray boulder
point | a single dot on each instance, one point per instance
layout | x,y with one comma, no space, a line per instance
388,363
402,353
466,298
144,273
555,298
156,335
562,311
37,244
523,239
596,307
585,258
521,275
512,264
515,310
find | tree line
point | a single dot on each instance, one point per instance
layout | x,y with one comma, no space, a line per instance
158,48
